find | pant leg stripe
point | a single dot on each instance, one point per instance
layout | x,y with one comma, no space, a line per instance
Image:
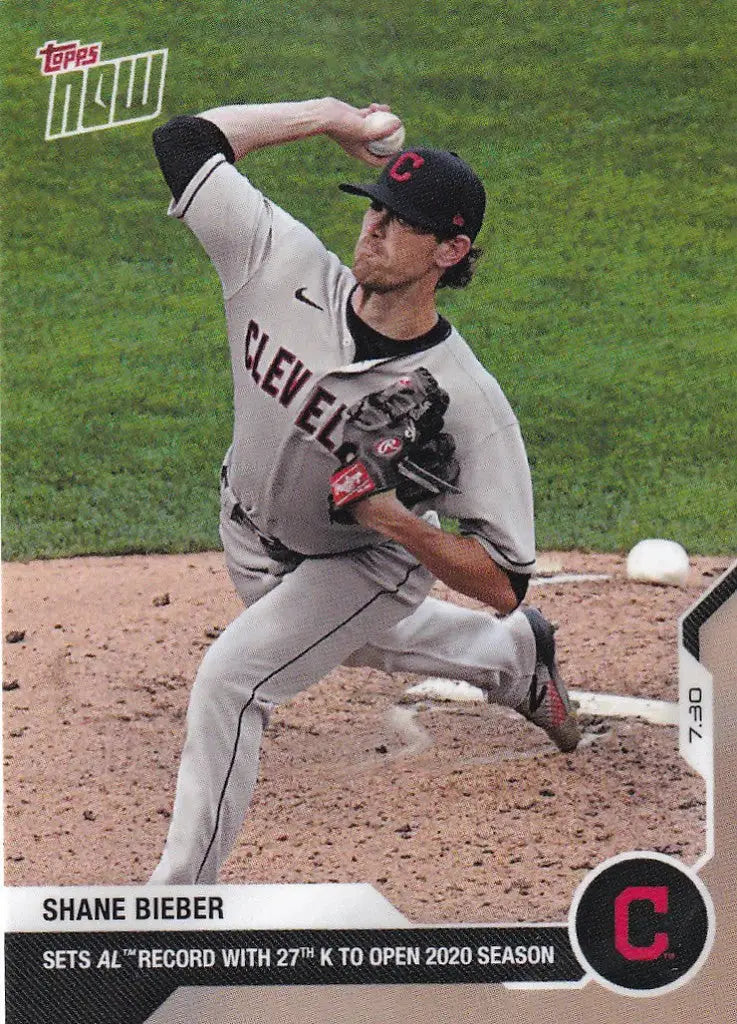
287,664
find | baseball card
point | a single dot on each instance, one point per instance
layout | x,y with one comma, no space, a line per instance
369,588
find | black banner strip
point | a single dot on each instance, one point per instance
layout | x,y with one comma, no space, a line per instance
122,977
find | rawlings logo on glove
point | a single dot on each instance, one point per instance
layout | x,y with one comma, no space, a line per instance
388,446
394,439
350,483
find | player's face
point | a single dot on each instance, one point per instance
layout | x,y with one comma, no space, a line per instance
391,252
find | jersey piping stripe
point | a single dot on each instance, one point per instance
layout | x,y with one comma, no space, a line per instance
472,533
199,186
271,675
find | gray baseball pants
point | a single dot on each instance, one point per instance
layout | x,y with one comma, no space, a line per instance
366,608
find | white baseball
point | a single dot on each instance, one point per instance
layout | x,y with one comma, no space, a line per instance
658,561
392,143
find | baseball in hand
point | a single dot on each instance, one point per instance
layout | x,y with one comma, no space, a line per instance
392,143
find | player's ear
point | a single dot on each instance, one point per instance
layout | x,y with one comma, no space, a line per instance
452,251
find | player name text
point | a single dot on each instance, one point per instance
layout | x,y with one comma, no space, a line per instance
141,908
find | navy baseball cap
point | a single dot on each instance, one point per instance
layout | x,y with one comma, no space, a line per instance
432,188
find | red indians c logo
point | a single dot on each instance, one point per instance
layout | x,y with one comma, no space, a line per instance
657,895
406,158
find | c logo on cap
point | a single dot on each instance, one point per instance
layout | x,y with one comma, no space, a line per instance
414,158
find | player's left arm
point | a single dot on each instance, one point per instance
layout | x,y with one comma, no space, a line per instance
396,454
461,562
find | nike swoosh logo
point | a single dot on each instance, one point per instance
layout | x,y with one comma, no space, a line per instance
300,294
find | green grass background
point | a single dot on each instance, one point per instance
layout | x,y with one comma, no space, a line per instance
605,303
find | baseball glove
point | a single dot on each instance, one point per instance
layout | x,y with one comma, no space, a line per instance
432,470
394,439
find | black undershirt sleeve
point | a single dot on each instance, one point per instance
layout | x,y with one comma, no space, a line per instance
519,582
183,145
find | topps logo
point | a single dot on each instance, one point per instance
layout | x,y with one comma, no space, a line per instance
60,57
94,94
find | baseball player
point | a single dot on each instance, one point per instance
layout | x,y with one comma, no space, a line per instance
359,414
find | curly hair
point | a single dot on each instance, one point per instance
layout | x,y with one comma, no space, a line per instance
460,274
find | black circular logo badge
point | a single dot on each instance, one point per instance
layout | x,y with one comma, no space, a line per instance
641,923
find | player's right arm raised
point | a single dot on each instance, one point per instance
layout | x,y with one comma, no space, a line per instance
231,218
253,126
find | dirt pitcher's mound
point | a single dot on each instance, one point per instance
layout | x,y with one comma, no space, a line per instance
456,813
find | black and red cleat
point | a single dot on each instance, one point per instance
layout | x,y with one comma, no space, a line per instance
546,703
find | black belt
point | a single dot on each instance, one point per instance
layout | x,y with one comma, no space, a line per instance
278,551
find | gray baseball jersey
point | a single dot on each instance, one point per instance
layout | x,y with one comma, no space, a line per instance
292,357
295,373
